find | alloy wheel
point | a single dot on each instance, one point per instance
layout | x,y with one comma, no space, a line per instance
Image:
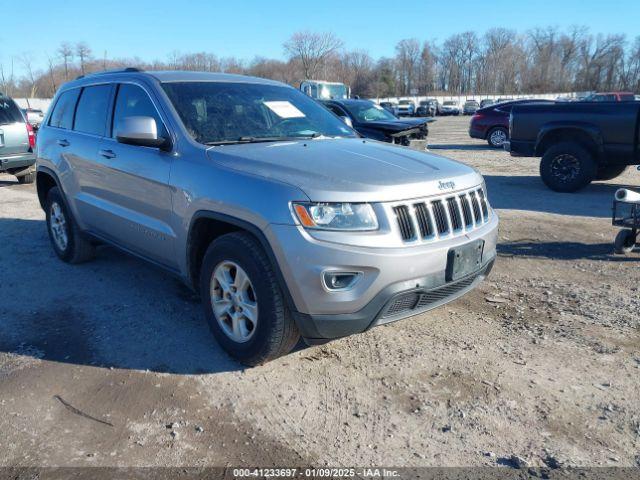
58,226
565,167
234,301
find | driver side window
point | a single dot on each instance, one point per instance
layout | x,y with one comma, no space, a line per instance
133,101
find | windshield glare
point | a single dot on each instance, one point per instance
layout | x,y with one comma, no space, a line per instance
333,91
218,112
369,112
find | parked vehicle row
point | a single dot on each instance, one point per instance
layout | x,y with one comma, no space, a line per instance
17,142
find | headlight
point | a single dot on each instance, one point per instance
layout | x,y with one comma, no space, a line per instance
336,216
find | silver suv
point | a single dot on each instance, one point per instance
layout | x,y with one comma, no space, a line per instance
17,142
285,221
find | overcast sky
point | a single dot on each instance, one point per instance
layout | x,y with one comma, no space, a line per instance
245,29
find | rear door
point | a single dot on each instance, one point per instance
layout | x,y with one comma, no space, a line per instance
14,138
134,183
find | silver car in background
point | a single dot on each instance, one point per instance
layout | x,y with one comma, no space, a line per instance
283,218
17,142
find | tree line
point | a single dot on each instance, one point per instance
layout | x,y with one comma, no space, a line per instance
500,61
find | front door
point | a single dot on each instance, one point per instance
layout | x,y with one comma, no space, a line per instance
135,184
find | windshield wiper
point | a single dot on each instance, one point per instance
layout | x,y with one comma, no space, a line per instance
249,139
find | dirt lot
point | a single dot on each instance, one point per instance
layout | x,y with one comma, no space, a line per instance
111,363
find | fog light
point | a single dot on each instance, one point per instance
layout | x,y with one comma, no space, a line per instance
340,280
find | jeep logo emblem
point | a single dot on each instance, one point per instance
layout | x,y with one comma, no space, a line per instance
445,185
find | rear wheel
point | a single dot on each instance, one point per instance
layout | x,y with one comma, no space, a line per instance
609,172
243,302
28,178
567,167
66,239
497,136
625,242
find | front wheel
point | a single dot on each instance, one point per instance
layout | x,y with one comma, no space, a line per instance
243,302
497,136
567,167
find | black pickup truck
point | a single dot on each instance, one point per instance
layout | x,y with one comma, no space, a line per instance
579,142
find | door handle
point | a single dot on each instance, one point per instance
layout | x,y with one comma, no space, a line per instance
107,153
63,143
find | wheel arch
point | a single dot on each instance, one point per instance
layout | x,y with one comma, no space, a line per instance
205,226
46,179
586,135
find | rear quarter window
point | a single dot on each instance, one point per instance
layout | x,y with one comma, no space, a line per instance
62,114
9,112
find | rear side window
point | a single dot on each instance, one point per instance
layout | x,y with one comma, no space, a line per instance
91,114
133,101
62,115
9,112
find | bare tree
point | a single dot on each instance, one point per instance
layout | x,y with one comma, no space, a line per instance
66,53
312,50
7,79
83,53
31,75
408,57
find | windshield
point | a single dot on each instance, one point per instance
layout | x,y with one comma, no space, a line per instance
329,91
369,112
217,112
450,103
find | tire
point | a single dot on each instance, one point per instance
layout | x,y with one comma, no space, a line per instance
497,136
609,172
66,239
567,167
273,332
625,242
28,178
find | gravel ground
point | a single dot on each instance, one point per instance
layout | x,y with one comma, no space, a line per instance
110,363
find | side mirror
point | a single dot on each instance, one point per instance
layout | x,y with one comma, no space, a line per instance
140,131
348,121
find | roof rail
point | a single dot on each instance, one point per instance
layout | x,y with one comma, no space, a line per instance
117,70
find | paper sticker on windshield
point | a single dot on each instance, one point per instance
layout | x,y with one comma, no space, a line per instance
284,109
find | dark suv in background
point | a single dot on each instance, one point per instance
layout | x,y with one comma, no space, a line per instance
17,142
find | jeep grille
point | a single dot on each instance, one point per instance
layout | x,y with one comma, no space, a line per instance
443,216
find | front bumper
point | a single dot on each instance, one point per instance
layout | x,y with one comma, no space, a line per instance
386,273
22,160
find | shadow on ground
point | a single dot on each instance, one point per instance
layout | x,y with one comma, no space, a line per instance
564,251
459,146
529,193
115,311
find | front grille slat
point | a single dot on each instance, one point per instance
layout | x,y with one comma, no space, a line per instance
476,207
440,217
483,205
424,220
466,210
433,218
454,213
404,222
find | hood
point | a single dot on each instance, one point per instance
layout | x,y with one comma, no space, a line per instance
349,170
